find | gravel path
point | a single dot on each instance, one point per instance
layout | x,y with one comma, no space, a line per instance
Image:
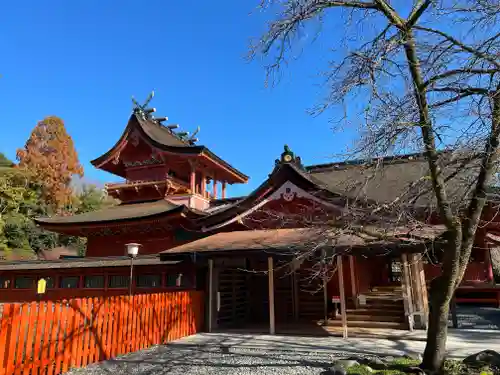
180,359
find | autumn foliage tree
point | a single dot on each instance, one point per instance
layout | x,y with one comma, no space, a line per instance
50,157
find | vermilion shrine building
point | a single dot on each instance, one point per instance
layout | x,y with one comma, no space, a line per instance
270,258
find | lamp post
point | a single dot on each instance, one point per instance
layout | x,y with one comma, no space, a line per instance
132,251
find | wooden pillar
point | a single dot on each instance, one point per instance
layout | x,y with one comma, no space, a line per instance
489,265
192,178
223,189
210,293
340,271
325,288
295,298
418,289
203,191
353,280
425,297
214,188
406,287
270,272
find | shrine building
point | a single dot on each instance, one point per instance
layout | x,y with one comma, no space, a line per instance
311,245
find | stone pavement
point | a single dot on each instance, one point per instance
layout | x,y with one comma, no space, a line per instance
246,354
461,342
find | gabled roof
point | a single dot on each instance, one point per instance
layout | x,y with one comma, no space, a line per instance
282,173
161,138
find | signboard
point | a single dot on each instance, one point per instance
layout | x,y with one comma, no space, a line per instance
362,300
335,299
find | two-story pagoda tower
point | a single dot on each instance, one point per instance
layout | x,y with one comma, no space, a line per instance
168,179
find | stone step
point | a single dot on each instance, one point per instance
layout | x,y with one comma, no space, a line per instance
368,324
376,312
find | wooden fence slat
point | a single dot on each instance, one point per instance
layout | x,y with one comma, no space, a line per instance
101,331
133,322
116,321
162,318
68,332
148,320
39,337
52,349
96,307
77,331
170,311
154,321
21,338
128,324
12,339
87,311
142,321
112,327
6,329
157,322
33,323
81,333
60,337
121,325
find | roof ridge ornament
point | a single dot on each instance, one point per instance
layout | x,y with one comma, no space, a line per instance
288,157
142,110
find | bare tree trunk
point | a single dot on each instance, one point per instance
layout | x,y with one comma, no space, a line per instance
437,332
441,292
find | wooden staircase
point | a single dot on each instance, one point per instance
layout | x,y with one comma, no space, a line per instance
384,309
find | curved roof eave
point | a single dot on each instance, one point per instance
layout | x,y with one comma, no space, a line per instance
49,223
182,148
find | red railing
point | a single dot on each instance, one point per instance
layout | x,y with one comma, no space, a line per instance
50,337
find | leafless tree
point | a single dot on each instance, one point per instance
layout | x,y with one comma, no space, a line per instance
428,74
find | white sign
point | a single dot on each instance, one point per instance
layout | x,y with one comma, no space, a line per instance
335,299
362,300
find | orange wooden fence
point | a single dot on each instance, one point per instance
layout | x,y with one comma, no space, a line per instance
50,337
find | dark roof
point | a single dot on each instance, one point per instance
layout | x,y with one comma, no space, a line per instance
118,213
81,263
399,177
288,240
163,139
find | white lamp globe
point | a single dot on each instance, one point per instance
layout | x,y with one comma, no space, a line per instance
132,249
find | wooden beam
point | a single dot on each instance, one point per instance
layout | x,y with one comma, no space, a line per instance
340,271
406,287
353,280
270,272
210,293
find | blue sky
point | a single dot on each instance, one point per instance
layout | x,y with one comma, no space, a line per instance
83,60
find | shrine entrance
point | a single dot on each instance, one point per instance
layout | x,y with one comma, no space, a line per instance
241,295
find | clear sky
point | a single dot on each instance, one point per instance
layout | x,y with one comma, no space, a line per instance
83,60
